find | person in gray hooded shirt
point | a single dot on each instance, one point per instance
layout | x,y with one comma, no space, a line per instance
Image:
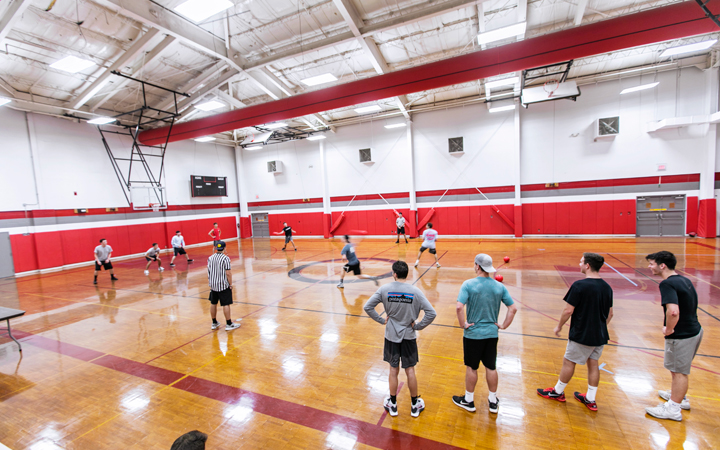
402,303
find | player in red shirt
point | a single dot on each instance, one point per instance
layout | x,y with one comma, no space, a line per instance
215,234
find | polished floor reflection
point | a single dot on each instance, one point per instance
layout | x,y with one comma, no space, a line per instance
134,364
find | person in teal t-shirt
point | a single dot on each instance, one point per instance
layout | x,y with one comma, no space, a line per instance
481,297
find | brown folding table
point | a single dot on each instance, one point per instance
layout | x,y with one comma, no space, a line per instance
8,313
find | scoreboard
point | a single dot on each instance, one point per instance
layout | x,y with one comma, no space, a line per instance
208,186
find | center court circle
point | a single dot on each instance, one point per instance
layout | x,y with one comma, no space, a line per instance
296,273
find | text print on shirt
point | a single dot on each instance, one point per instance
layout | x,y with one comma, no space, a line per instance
400,297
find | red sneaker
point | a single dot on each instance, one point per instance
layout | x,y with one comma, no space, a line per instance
592,406
550,393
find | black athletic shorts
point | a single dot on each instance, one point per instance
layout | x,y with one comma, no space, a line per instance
355,268
106,265
224,297
179,251
406,351
151,258
432,250
476,350
401,230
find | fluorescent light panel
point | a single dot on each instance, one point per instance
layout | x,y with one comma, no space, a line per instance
101,120
4,101
205,139
272,126
209,106
317,137
502,33
502,108
396,125
498,83
639,88
320,79
368,109
253,147
72,64
688,48
199,10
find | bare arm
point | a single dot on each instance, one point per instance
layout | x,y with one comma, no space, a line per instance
210,233
672,315
460,310
512,310
108,258
610,316
228,274
564,317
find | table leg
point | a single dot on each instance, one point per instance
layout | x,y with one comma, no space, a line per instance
11,336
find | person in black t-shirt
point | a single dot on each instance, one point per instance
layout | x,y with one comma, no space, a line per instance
683,333
288,235
589,303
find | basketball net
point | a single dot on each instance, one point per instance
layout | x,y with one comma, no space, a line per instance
551,86
155,207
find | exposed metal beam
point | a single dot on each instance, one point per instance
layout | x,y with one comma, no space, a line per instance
119,63
522,7
150,57
211,86
11,15
580,11
229,98
207,75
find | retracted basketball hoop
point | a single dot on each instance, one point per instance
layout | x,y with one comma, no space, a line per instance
551,86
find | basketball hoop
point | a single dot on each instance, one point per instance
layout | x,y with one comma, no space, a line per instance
551,86
155,207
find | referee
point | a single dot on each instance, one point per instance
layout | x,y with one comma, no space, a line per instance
220,281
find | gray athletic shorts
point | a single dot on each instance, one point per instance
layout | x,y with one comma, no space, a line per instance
579,354
679,353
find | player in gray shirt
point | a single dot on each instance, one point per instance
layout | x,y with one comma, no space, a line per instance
102,259
402,303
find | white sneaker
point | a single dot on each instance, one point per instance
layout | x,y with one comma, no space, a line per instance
341,286
147,272
437,265
390,407
418,408
665,395
417,262
663,411
161,269
232,326
215,326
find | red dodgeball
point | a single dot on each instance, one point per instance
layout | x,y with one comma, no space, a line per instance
499,278
506,259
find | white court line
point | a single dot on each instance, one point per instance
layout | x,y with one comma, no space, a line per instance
631,282
2,447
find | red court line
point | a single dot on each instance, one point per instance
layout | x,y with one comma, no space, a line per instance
327,422
385,413
704,245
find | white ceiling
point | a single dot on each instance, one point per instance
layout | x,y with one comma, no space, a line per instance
279,43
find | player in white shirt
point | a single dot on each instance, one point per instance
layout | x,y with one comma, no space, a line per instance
400,222
178,245
153,254
429,238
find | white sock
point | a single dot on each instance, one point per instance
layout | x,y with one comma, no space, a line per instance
560,387
469,396
591,392
672,406
492,397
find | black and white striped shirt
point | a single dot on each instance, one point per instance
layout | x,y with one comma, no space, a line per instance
217,265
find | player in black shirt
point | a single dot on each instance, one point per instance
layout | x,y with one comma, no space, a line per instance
589,303
682,331
288,235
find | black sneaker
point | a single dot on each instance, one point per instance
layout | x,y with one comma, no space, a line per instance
550,393
94,281
397,242
172,265
494,406
460,401
113,278
190,260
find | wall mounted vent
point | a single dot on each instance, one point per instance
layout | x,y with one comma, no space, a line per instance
274,166
455,146
366,156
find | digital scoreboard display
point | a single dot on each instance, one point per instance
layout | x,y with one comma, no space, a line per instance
208,186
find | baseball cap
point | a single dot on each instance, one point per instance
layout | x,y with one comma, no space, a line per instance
485,261
220,245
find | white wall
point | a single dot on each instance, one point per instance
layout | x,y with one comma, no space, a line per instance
72,159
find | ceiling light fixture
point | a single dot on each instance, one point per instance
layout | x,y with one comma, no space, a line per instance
209,106
396,125
72,64
368,109
199,10
502,33
253,147
4,101
102,120
688,48
503,82
272,126
502,108
320,79
205,139
316,137
639,88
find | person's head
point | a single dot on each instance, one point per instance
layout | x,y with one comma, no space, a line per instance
177,233
154,244
429,225
346,239
400,270
103,242
215,225
400,214
591,262
660,262
284,224
192,440
483,264
220,246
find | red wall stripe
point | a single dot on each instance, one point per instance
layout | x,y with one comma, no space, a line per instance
37,213
690,178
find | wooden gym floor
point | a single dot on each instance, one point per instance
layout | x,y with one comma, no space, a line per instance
134,365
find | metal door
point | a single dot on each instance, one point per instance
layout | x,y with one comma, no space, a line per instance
7,267
662,215
260,225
